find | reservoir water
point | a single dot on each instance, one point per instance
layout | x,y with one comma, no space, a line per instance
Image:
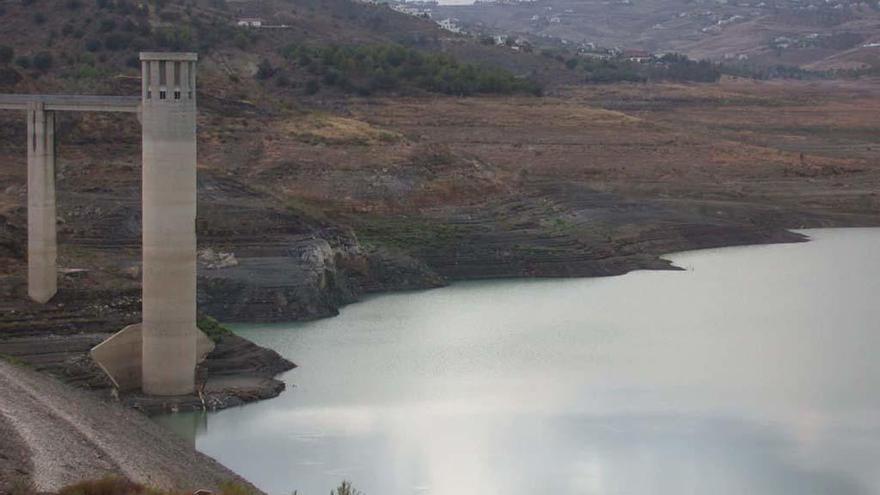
754,371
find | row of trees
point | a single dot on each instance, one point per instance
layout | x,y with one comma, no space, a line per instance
41,61
124,25
679,68
670,67
763,72
389,67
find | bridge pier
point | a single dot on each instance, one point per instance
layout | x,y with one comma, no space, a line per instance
168,117
42,240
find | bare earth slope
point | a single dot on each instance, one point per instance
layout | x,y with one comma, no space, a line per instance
319,207
64,435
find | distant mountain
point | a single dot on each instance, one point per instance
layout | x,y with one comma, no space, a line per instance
812,34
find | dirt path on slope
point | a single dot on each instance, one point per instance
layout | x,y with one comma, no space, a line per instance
67,435
15,465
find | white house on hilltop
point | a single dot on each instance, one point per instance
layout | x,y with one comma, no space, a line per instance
250,22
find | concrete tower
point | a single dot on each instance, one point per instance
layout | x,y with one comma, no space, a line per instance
169,213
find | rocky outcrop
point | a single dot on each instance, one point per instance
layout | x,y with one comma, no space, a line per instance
235,372
213,260
298,280
306,278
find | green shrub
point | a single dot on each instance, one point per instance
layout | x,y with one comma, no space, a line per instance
13,360
241,41
126,7
332,76
265,69
106,25
212,328
168,16
104,486
23,61
282,81
7,54
86,72
93,45
345,489
233,488
117,41
129,26
43,61
383,67
119,486
174,38
9,76
39,18
312,86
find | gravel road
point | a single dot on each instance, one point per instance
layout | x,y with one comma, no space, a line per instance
60,435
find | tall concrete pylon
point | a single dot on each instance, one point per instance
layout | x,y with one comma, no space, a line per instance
160,354
42,242
168,117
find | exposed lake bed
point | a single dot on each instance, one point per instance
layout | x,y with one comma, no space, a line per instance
751,371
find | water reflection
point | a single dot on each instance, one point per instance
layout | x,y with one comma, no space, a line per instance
752,372
188,426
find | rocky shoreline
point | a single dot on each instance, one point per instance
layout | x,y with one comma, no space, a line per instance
236,372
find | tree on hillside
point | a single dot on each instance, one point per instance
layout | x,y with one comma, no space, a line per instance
265,69
367,69
7,54
43,61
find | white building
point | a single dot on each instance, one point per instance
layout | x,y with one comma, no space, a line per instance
250,22
449,25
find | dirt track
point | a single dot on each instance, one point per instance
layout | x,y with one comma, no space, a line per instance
58,435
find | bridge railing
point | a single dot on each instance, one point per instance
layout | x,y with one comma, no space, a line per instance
71,103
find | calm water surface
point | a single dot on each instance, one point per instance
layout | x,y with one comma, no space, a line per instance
755,371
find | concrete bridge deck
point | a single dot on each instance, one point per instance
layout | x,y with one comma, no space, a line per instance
74,103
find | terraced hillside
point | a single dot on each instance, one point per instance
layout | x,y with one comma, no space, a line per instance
818,35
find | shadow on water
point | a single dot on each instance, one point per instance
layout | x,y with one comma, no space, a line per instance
187,426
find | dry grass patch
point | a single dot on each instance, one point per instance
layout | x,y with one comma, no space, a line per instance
331,129
581,116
